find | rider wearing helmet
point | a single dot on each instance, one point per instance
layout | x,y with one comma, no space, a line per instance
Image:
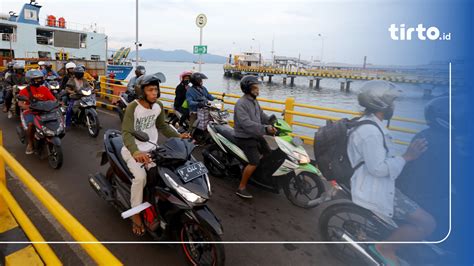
17,78
250,124
69,73
73,87
180,97
48,70
145,114
370,152
87,76
139,71
41,65
35,91
197,95
423,180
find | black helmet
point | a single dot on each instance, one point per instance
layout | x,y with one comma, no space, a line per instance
34,77
140,70
145,80
78,72
246,83
437,112
196,78
378,96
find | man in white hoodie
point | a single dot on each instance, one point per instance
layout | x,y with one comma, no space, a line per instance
373,183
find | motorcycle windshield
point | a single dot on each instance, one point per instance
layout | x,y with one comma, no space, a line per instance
176,148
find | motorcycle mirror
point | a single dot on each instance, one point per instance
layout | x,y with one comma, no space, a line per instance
273,119
141,136
297,141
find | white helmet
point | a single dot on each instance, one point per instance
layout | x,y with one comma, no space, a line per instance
41,63
70,65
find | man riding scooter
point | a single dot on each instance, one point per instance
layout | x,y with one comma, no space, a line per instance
250,126
17,78
147,115
35,91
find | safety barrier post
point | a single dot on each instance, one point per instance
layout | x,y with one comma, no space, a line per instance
3,178
289,106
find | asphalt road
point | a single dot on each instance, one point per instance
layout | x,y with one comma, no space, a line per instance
267,217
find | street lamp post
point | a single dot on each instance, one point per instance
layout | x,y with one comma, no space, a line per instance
322,50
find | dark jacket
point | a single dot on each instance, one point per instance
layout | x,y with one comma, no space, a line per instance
249,118
195,95
180,96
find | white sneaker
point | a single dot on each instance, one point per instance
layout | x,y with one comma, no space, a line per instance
10,115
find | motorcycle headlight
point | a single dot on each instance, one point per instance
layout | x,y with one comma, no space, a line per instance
48,132
186,194
302,158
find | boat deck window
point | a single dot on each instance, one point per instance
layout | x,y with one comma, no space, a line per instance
7,33
43,54
95,57
44,37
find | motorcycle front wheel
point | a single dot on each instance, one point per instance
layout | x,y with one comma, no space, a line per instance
303,188
93,126
191,236
55,156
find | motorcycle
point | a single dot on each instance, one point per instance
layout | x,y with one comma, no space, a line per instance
286,166
122,103
49,130
86,114
344,221
211,112
175,196
53,85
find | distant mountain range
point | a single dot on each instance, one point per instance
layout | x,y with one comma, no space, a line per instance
176,56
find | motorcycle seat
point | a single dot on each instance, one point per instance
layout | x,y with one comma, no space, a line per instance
117,144
227,132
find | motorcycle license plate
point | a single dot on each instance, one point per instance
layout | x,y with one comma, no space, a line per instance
190,172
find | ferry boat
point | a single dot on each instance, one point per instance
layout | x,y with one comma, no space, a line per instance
24,38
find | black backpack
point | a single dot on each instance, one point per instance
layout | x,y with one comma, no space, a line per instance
330,148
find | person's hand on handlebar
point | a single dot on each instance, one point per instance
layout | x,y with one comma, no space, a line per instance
185,136
271,130
142,157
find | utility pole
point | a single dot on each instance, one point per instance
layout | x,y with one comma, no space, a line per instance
136,33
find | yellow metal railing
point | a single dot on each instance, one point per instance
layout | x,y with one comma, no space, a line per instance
98,252
287,108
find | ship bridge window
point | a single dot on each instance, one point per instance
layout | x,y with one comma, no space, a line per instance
44,37
95,57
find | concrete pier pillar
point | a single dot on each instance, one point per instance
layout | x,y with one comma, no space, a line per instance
317,83
284,80
311,81
270,78
292,80
348,86
342,85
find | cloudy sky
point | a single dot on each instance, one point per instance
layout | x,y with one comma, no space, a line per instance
349,29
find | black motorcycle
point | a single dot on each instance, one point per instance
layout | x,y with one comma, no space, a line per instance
176,193
357,227
86,114
49,130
